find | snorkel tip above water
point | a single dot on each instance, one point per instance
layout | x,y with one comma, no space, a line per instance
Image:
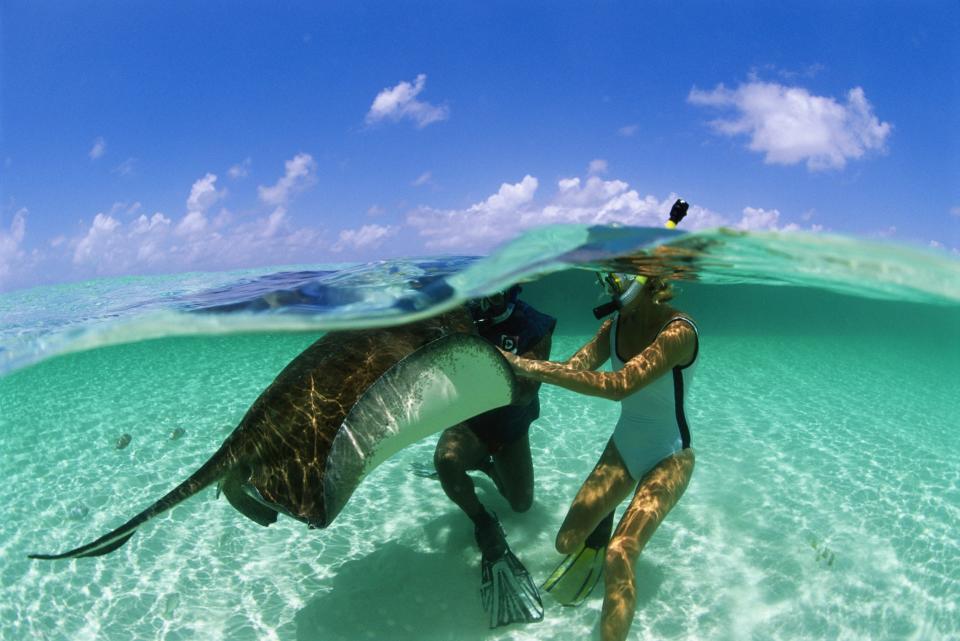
677,213
621,287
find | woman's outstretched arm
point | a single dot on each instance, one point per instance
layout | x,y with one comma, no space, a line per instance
674,345
595,353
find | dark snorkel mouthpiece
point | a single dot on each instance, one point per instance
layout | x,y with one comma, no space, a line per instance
602,311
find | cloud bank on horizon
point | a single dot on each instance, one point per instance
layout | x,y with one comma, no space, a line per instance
197,241
789,125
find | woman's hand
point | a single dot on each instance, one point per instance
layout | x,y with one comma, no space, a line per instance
516,363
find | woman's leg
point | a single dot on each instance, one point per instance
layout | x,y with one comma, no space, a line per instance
658,492
606,486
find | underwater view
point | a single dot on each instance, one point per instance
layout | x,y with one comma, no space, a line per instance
824,416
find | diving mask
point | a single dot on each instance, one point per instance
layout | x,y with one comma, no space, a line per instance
622,289
496,308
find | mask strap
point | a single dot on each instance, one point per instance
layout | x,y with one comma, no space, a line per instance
504,316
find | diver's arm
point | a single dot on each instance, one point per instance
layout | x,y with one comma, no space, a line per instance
595,353
675,345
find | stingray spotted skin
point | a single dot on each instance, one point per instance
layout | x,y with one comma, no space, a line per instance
276,459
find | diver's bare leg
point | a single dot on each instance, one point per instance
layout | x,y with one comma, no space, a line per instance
606,486
459,451
656,495
513,473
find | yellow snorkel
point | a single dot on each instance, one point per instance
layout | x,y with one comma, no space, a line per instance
623,288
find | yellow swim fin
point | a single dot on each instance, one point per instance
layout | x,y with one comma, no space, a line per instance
574,579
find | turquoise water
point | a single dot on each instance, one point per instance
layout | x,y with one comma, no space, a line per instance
825,418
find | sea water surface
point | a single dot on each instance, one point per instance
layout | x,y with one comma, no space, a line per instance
824,504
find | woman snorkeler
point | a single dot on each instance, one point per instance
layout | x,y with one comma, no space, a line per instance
653,352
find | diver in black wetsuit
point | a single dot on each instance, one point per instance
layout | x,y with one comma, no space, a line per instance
497,444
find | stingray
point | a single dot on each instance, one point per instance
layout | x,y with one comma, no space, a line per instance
339,409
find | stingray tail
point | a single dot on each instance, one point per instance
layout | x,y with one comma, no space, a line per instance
209,472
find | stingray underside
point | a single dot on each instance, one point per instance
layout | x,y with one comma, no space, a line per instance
441,384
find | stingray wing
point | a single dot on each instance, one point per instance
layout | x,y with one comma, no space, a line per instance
441,384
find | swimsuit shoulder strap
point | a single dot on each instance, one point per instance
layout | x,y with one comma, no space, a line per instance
696,348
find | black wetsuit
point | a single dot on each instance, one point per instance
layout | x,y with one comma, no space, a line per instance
518,334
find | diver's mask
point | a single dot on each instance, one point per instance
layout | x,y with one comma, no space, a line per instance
622,289
494,309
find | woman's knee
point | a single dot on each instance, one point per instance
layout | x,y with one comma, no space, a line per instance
568,540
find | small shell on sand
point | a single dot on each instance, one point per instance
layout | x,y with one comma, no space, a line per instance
124,441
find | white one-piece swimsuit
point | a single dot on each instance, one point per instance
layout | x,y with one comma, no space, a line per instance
652,423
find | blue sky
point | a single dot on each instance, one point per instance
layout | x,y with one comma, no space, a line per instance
171,137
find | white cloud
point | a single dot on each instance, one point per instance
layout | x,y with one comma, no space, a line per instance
11,254
240,170
376,210
509,197
791,125
151,232
99,148
605,202
628,131
126,168
127,209
298,175
597,166
481,225
156,244
512,210
100,240
759,219
203,195
192,224
275,222
199,240
807,72
426,178
401,102
366,237
120,240
144,225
